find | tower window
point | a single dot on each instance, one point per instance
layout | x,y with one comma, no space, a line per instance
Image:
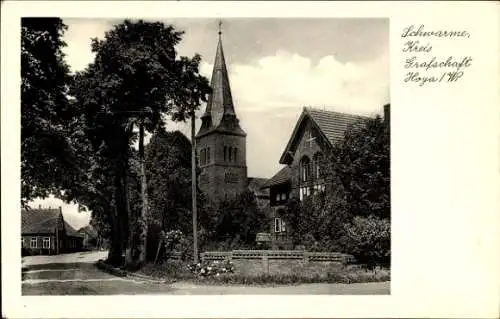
230,154
235,154
225,153
208,155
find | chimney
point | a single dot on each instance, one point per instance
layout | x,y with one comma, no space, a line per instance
387,113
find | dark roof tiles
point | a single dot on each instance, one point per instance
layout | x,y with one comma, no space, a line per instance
42,221
333,124
281,177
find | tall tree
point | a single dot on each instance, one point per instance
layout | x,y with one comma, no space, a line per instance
135,80
168,172
47,157
361,163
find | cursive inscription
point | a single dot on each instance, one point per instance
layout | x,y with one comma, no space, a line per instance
422,63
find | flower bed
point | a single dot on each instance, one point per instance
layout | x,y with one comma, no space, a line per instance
212,268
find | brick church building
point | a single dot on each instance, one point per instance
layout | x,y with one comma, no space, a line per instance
221,151
221,143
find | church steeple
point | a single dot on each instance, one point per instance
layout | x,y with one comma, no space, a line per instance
220,142
219,112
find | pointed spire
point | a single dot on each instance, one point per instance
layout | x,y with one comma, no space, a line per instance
220,102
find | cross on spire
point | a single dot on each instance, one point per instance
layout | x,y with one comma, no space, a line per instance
220,27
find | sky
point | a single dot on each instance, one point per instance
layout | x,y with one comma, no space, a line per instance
276,67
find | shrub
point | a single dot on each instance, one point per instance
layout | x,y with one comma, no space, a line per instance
368,239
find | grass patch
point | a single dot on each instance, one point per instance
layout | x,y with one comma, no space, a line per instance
177,271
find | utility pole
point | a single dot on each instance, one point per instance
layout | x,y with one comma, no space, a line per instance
193,188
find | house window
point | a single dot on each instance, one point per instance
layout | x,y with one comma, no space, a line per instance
46,242
33,242
279,225
305,169
317,165
304,192
319,188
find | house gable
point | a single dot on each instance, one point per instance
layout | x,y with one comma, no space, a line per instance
326,127
306,134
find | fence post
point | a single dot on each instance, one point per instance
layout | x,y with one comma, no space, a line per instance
306,257
265,262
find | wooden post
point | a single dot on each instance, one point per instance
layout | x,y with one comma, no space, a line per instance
193,188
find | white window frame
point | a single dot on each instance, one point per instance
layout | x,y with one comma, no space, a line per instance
35,241
304,191
277,225
46,240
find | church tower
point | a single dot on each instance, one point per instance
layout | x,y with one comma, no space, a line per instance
221,142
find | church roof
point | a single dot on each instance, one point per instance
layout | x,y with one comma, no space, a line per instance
283,176
220,101
330,124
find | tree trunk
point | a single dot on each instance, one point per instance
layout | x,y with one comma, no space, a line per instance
115,249
120,220
129,250
144,198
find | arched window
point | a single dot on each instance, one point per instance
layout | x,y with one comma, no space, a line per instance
230,153
225,153
305,177
235,154
305,169
317,159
